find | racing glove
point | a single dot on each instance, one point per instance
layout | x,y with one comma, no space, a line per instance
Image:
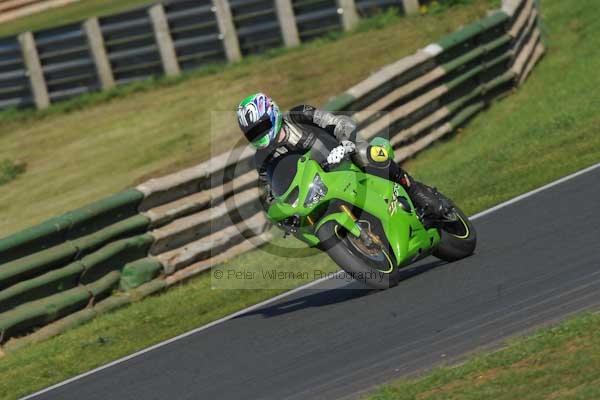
337,154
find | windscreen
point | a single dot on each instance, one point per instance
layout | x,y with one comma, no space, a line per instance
282,171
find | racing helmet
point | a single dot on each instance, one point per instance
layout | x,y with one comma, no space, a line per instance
260,120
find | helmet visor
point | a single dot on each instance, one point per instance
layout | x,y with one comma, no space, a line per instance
259,128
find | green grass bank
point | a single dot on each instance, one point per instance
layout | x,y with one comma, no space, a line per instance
562,362
163,127
71,13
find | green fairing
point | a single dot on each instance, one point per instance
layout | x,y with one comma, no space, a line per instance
342,219
403,229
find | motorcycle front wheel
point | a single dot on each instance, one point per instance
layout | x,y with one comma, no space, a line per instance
374,266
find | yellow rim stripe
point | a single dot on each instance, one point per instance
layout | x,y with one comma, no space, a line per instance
390,263
466,227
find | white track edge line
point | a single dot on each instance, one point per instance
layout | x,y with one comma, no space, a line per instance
536,191
183,335
289,293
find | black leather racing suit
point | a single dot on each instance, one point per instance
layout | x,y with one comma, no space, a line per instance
305,127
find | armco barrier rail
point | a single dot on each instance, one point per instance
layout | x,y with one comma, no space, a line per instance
37,69
69,269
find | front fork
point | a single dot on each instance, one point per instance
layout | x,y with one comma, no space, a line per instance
350,222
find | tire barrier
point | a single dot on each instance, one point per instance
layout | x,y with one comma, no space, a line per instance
65,271
424,97
71,225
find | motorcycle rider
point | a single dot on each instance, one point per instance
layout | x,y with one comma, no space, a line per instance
273,134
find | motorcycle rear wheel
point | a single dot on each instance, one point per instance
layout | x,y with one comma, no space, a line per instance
458,239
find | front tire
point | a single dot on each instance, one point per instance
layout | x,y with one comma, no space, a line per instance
458,239
378,271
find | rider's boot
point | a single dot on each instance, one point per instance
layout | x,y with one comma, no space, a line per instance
431,207
428,202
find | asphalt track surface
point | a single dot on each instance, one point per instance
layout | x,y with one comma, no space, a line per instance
538,260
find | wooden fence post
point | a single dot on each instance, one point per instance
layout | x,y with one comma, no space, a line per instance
101,61
287,22
227,29
411,7
34,70
347,8
164,40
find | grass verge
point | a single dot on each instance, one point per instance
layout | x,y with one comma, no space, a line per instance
68,14
161,129
556,363
10,170
546,130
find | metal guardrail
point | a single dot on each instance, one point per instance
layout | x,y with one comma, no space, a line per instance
15,90
256,25
367,8
40,68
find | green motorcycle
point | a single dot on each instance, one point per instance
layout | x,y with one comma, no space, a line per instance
367,224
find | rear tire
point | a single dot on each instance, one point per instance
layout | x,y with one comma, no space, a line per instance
381,275
458,239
